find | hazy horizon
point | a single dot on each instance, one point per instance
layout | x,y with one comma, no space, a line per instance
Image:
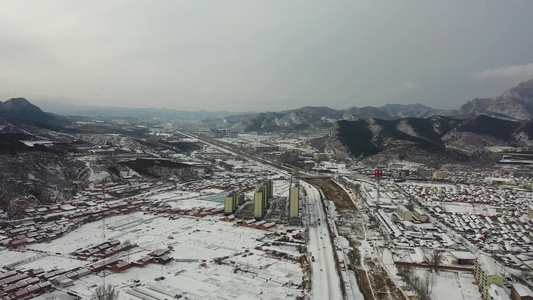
244,56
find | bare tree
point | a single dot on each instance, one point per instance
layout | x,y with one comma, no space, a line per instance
58,296
105,292
422,285
435,260
406,272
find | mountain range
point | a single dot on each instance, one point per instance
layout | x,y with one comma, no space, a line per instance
514,104
505,120
144,114
433,136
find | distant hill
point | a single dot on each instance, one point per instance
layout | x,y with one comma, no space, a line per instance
435,135
398,111
135,113
515,103
260,122
312,118
20,110
355,113
23,109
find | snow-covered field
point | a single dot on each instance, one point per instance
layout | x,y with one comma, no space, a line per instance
246,273
446,285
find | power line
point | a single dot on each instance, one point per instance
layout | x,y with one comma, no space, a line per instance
123,70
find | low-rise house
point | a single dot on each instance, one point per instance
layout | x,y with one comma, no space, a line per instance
521,292
119,267
142,262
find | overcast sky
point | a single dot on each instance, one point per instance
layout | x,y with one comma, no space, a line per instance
263,55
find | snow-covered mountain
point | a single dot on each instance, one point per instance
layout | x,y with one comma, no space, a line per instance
515,103
436,135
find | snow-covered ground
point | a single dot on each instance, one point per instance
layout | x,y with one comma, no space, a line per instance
446,285
325,279
246,273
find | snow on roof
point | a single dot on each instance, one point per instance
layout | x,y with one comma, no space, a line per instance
488,265
418,255
522,290
497,293
67,207
463,255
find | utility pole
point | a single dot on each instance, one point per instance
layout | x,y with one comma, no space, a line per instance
103,235
377,174
378,192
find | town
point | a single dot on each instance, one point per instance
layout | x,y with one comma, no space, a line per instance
270,217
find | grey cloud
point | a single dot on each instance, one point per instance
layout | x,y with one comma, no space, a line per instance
521,71
248,55
410,85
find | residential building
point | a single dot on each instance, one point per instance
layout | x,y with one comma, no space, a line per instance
259,203
266,148
425,173
439,175
404,214
486,273
294,200
420,215
232,201
521,292
499,181
320,156
264,191
496,292
229,204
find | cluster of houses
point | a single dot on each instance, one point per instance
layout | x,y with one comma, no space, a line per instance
228,181
118,265
103,250
218,133
89,214
253,223
506,239
505,231
173,213
30,232
122,188
501,197
62,219
413,237
20,284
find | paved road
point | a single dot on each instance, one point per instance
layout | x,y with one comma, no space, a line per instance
324,277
